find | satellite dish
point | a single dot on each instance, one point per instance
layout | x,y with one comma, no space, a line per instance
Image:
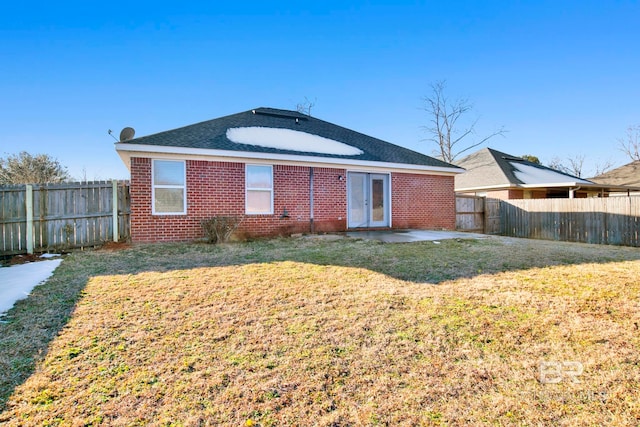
127,134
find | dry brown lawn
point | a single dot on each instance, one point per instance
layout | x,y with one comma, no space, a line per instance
330,333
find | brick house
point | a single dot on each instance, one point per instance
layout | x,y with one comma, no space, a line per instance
283,172
498,175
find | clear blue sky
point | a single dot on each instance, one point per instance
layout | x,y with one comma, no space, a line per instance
563,77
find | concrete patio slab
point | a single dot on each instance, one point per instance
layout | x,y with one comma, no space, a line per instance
407,236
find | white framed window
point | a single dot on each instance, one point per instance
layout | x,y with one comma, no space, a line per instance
259,189
168,187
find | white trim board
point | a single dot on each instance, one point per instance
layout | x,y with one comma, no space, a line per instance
127,150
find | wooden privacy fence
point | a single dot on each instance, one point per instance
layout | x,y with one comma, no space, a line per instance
477,214
39,218
609,220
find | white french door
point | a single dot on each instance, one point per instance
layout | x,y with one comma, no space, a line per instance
367,200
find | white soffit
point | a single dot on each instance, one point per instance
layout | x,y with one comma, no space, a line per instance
128,150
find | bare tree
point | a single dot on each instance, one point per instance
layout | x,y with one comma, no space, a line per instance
557,164
630,145
306,106
602,167
446,128
24,168
575,166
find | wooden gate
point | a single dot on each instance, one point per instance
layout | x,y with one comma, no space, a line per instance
478,214
492,223
470,214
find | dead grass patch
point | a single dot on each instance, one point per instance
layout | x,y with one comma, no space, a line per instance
295,332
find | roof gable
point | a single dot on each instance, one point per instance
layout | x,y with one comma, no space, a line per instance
482,169
273,131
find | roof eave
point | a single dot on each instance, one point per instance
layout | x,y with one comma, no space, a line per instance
559,185
489,188
125,151
567,185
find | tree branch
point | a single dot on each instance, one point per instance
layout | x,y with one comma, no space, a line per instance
631,145
445,118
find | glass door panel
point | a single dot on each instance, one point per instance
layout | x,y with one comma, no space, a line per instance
357,194
378,195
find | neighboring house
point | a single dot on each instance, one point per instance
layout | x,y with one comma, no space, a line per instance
283,172
498,175
627,175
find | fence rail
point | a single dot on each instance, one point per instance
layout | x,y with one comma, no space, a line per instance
39,218
609,220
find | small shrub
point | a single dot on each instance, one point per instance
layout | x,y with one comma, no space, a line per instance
220,228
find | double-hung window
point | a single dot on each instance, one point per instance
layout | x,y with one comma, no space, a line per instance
259,189
169,187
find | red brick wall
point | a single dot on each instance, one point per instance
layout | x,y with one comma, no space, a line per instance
330,199
217,188
140,194
291,193
423,201
505,194
538,194
213,188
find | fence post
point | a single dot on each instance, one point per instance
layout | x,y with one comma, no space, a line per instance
116,234
29,203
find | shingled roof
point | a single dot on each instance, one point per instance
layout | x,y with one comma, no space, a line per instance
628,174
489,168
214,135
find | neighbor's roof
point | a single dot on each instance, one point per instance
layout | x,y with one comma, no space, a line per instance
491,169
269,133
628,174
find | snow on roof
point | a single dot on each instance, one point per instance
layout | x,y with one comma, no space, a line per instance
533,175
287,139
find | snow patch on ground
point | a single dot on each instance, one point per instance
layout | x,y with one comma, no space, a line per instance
287,139
16,282
49,255
532,175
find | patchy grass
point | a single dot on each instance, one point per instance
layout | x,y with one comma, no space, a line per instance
336,333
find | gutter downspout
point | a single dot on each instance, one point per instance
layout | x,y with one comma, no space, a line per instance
311,225
572,192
